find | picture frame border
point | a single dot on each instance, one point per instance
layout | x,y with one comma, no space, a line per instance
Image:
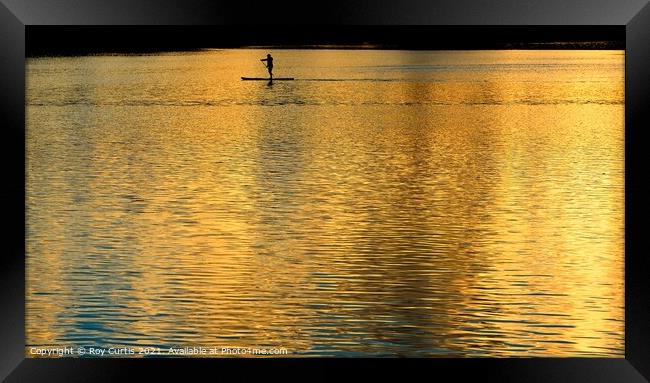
17,15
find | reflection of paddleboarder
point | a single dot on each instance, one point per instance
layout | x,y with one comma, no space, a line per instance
269,65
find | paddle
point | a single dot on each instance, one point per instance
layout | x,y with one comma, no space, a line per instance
262,61
266,66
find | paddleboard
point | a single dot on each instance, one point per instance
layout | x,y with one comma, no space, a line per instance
267,79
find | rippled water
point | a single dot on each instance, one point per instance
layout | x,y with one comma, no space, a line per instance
386,203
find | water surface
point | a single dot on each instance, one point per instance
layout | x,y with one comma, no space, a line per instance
386,203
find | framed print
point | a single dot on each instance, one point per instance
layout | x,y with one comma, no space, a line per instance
205,186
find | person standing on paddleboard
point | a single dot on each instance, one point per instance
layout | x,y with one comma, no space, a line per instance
269,65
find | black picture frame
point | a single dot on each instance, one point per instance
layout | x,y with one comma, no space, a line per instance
15,15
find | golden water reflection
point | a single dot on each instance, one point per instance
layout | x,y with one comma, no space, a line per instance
390,203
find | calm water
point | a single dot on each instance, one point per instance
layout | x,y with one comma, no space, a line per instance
386,203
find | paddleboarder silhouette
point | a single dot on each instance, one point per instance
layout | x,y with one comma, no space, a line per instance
269,65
